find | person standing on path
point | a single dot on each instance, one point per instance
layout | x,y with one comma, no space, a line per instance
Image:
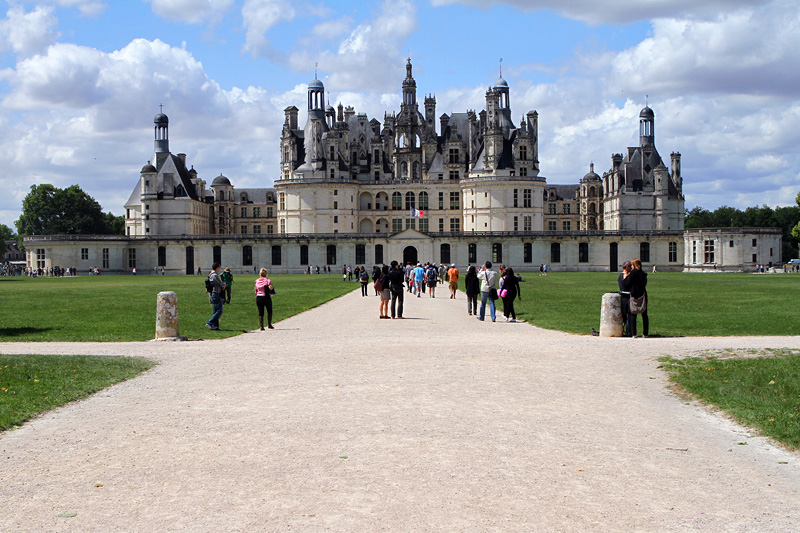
488,279
511,290
473,288
363,277
431,279
452,281
396,278
227,278
385,293
637,283
215,297
625,295
263,287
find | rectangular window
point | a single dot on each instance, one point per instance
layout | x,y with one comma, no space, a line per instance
336,205
565,209
378,254
527,223
256,212
423,225
583,252
528,253
361,254
565,225
257,229
244,212
335,219
40,257
523,171
453,156
283,225
441,225
730,244
247,255
304,254
523,153
84,254
331,254
551,209
755,242
105,258
555,252
441,200
708,249
397,224
755,258
244,230
270,229
644,252
694,252
455,224
282,201
497,253
515,198
423,201
335,193
673,252
454,200
162,256
131,257
551,225
276,255
526,198
270,214
472,253
411,223
397,202
516,223
453,174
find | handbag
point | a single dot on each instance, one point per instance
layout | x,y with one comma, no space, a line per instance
503,293
493,293
271,291
638,305
378,286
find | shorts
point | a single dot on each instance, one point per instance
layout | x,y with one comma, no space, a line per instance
432,283
453,285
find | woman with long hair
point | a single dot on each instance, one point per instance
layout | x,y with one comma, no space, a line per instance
263,298
386,294
510,291
473,288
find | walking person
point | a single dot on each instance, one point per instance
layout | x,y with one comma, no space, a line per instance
385,293
511,290
227,278
472,286
419,279
431,280
396,277
363,277
452,281
488,279
264,289
215,296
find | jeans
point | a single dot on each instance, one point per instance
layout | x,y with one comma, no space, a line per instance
484,297
397,295
216,302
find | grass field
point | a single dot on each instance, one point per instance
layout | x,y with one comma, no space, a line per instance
680,304
123,308
760,392
33,384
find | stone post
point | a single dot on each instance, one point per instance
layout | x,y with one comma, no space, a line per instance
167,316
611,315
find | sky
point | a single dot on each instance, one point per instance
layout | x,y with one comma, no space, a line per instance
81,80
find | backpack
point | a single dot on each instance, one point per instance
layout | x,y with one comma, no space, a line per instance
209,284
364,276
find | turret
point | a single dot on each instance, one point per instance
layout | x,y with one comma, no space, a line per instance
409,87
430,112
290,117
647,127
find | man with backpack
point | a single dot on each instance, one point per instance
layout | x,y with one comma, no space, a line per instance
214,286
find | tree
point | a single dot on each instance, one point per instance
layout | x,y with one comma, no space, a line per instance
6,233
48,210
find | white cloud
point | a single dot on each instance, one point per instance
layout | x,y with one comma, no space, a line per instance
28,33
191,11
88,8
369,58
259,16
616,11
331,29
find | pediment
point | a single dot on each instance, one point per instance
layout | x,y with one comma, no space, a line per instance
409,235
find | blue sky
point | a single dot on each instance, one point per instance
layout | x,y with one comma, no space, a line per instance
81,80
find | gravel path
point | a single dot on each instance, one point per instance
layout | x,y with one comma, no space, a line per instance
339,421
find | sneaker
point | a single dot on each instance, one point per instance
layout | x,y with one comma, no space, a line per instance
493,320
209,326
479,318
513,320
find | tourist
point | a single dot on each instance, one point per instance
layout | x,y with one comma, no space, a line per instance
383,283
625,294
349,273
452,280
263,288
419,279
396,278
431,279
637,283
215,297
227,279
488,279
511,290
344,272
363,277
473,288
409,276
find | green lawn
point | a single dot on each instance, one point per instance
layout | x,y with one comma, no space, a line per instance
680,304
33,384
123,308
762,392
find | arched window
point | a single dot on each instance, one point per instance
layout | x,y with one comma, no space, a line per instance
361,254
247,255
416,175
276,255
397,201
473,253
444,253
423,201
410,201
555,252
497,252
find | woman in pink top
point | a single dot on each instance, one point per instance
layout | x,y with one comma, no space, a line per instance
263,299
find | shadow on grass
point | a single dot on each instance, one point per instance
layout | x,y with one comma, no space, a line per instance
14,332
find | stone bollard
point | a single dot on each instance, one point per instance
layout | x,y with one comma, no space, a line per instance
611,315
167,316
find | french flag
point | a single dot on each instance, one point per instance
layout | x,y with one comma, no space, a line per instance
416,213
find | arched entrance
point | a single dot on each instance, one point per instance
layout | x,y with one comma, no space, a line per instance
410,255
